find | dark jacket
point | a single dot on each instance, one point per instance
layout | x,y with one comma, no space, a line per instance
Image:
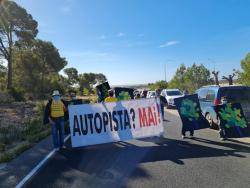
47,112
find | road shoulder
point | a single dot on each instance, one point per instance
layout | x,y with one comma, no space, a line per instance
14,171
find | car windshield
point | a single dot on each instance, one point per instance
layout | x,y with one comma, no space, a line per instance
236,94
172,93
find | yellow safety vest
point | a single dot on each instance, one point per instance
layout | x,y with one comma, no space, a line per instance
57,109
110,99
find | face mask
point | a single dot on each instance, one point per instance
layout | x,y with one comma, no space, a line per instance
224,102
56,98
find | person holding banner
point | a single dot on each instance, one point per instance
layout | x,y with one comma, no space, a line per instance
222,131
54,114
111,97
163,101
137,96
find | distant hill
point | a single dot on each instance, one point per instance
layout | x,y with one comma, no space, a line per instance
136,86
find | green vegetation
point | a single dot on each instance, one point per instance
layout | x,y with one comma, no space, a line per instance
33,64
186,78
191,78
11,154
16,139
244,75
17,27
158,85
85,81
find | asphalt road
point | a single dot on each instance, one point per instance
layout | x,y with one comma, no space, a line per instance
203,161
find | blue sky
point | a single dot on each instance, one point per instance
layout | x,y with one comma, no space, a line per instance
130,41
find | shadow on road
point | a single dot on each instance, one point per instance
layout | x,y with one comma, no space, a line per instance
175,150
232,145
113,164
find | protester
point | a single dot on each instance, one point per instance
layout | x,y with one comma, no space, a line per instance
144,94
111,97
224,100
54,114
137,96
222,132
73,98
72,95
186,92
163,101
184,130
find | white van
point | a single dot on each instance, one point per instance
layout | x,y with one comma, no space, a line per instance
170,95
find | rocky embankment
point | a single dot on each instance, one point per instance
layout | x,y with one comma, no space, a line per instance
17,114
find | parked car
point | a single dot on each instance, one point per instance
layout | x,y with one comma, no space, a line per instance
210,96
170,95
151,94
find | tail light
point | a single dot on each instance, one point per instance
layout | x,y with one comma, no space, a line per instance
216,102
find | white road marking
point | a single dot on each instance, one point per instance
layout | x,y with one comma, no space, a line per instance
37,167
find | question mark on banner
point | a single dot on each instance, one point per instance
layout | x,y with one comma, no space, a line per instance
132,111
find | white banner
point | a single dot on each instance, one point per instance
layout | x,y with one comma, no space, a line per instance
110,122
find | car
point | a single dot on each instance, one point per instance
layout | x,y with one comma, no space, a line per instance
210,96
170,95
151,94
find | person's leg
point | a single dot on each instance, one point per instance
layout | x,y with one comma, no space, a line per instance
192,132
54,133
61,132
162,112
183,131
222,132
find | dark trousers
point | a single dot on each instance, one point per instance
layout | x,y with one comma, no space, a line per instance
57,130
222,131
162,112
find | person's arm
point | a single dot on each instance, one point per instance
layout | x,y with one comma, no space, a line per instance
64,108
65,105
51,121
47,118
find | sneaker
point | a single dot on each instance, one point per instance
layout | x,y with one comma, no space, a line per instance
183,137
222,139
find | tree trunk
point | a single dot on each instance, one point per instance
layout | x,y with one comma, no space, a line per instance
10,40
42,84
9,83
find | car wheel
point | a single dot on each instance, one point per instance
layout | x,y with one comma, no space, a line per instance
210,120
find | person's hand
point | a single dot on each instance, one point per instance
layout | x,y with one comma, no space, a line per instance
51,121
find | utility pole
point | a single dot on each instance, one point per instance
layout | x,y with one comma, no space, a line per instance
165,72
212,61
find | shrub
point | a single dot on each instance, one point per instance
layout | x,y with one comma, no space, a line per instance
18,94
2,147
37,137
10,134
33,128
9,155
40,108
5,98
